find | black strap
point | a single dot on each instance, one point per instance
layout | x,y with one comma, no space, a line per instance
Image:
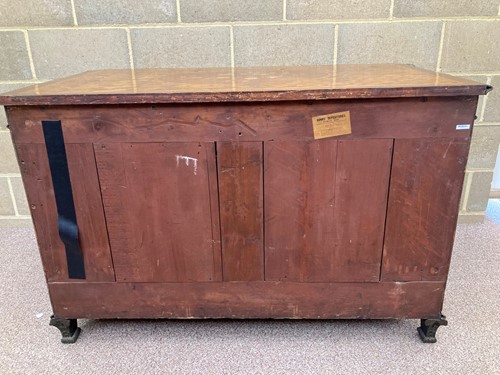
66,216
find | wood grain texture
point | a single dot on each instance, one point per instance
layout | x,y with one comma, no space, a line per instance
158,203
255,299
388,118
325,206
243,84
241,211
426,183
362,186
93,236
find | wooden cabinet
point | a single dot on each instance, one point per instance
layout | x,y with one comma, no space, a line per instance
184,193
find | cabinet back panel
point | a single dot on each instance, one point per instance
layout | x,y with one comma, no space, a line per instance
93,237
159,209
325,205
240,122
426,183
241,212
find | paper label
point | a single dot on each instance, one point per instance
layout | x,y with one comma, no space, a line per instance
331,125
462,127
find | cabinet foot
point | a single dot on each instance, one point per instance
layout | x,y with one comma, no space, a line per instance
428,328
68,327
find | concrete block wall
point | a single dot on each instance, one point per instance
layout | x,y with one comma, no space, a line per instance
43,40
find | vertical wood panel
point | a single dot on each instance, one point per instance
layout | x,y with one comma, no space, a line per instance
299,190
94,239
426,184
158,205
324,207
35,171
241,211
362,186
88,205
110,168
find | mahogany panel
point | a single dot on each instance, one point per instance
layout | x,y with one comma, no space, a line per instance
243,84
299,198
158,204
361,187
426,184
241,212
93,236
253,299
325,206
238,122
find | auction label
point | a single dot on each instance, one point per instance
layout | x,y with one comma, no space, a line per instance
331,125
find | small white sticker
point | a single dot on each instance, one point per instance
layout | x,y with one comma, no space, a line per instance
463,127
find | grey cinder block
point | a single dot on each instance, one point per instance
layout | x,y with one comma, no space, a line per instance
283,45
479,191
231,10
6,206
59,53
484,147
414,43
444,8
176,47
8,162
471,46
340,9
14,59
492,110
90,12
35,13
19,196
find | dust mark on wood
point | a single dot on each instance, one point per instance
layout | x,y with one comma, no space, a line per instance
187,160
447,149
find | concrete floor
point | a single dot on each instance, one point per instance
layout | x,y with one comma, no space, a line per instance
469,345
